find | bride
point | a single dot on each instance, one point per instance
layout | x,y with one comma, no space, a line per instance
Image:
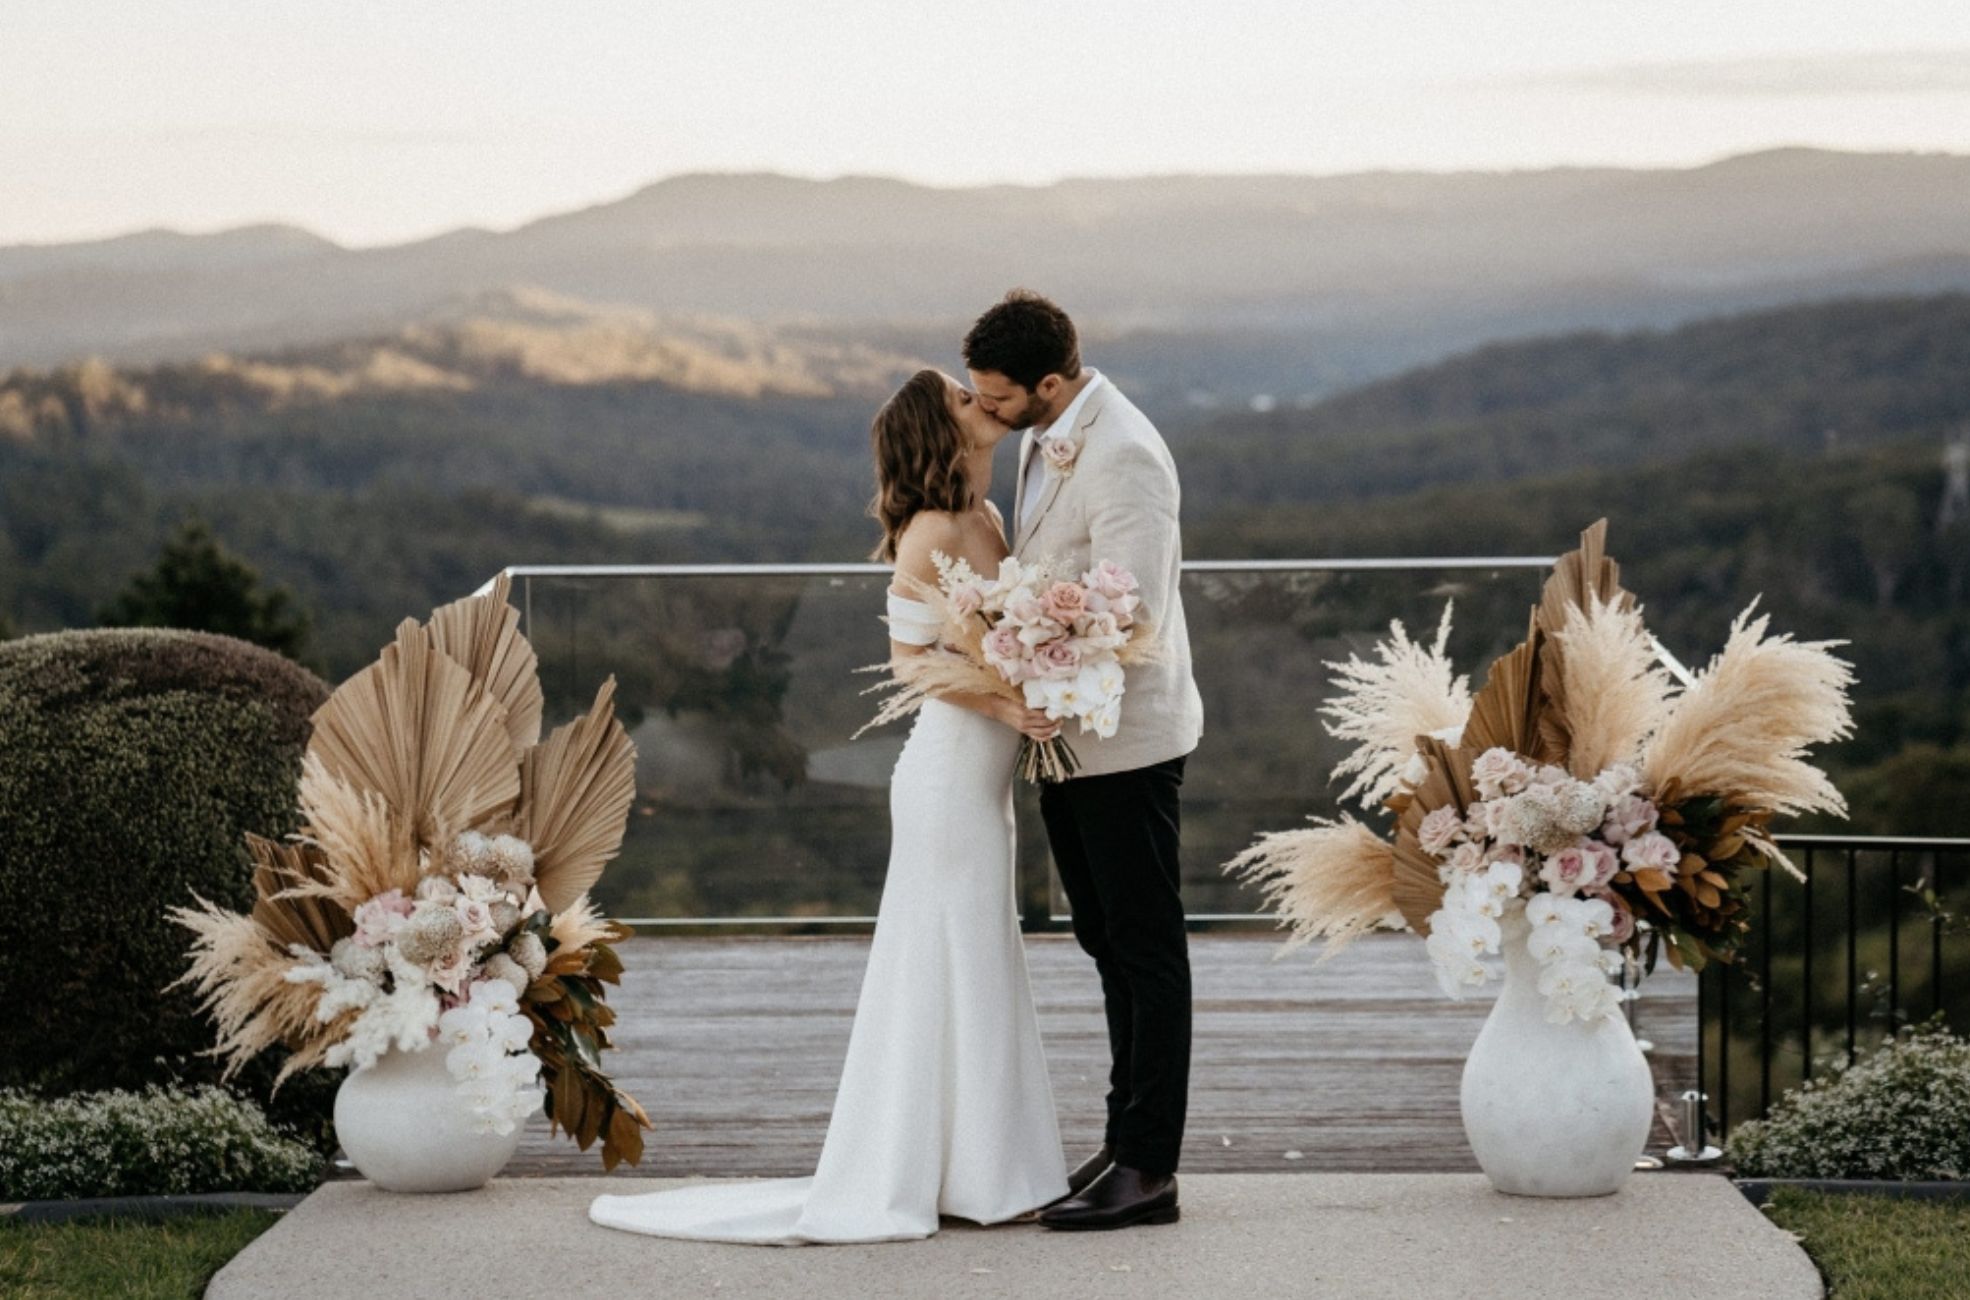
944,1106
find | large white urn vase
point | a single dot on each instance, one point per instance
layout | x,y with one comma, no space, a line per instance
406,1129
1553,1109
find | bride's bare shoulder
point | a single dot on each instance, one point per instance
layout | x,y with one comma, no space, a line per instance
927,533
930,530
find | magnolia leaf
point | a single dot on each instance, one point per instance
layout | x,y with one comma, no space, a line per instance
567,963
603,964
625,1140
588,1123
1727,848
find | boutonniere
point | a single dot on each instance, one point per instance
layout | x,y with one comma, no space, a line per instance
1060,451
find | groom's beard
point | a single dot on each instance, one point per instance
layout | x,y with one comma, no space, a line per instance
1032,417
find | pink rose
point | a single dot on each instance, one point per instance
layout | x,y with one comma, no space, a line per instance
1040,631
1568,871
1060,454
378,920
1002,646
1057,660
1109,580
966,600
476,917
1026,610
1066,601
1652,850
450,970
1439,829
1467,857
1604,861
1629,819
1101,631
1499,771
1622,928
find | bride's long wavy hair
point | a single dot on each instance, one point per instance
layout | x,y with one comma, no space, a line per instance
919,453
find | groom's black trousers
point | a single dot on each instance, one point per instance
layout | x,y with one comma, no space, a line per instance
1115,840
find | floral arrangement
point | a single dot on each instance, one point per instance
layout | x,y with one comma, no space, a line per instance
436,896
1582,803
1055,644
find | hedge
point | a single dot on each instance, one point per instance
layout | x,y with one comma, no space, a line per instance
132,763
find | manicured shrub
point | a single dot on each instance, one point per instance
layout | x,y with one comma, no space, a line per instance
132,763
1901,1113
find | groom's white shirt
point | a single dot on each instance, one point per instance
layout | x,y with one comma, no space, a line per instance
1120,502
1033,475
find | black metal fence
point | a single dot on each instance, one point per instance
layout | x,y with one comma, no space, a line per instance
1874,938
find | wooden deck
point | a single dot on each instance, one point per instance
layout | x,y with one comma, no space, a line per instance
735,1047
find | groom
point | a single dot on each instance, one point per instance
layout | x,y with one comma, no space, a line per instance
1096,483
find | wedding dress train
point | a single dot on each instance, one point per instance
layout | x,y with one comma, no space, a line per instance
944,1105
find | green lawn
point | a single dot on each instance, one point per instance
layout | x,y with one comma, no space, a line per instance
1877,1248
105,1259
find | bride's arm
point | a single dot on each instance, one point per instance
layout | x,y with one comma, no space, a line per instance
933,531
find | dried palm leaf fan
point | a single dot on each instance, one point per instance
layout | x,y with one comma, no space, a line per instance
440,736
575,793
419,730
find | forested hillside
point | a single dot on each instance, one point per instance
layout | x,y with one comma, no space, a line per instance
1796,455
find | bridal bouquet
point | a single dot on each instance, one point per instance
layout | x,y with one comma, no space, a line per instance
436,897
1054,644
1582,799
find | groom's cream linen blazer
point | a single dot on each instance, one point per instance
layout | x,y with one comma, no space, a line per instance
1120,503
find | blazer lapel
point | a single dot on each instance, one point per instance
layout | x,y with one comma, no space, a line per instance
1026,444
1089,414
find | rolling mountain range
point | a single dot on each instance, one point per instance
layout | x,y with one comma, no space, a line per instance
1215,287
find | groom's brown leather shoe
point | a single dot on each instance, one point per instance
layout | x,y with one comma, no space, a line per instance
1119,1198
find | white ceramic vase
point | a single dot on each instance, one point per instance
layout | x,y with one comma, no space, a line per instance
1553,1110
406,1129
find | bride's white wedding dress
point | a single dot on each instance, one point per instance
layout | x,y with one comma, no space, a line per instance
944,1105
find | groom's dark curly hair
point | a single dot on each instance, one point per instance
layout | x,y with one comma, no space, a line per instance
1024,337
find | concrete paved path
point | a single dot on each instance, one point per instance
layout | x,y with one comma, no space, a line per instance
1243,1237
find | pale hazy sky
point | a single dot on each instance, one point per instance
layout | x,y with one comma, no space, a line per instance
379,120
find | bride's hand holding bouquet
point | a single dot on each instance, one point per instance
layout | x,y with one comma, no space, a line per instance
1053,649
